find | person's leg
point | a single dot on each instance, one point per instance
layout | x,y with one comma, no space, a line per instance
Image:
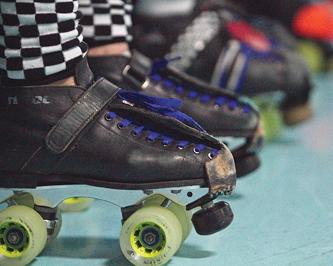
40,41
106,26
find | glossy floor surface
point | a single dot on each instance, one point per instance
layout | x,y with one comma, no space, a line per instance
283,212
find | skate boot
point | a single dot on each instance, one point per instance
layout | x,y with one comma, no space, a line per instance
221,113
280,34
297,15
78,141
310,20
235,56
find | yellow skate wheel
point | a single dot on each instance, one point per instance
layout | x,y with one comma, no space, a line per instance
271,118
272,123
297,114
179,210
313,55
76,204
23,235
151,236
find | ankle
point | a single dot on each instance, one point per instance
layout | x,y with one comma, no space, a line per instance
109,49
70,81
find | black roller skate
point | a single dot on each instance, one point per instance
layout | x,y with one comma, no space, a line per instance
310,20
221,113
297,15
62,142
234,55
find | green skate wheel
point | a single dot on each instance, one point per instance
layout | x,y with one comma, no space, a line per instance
313,55
76,204
23,235
272,122
184,216
271,118
151,236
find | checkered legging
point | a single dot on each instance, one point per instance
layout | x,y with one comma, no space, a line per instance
39,38
106,21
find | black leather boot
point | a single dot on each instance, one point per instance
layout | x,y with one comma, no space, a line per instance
96,134
219,112
217,43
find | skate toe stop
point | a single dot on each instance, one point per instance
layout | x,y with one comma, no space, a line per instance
213,219
297,114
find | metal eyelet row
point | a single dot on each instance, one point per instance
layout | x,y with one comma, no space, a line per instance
134,134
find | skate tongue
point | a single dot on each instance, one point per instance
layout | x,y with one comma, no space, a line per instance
167,107
83,75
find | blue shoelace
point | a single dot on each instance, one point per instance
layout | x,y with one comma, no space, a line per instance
192,94
153,136
166,107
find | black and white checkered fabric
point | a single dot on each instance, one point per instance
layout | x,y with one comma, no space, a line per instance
39,38
106,21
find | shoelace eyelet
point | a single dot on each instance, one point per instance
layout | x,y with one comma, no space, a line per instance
149,140
107,117
211,156
120,126
180,147
134,134
196,151
232,106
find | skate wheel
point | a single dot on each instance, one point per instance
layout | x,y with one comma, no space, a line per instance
272,122
313,55
213,219
151,236
184,218
180,211
76,204
297,114
23,235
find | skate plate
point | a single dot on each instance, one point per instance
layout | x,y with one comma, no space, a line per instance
154,227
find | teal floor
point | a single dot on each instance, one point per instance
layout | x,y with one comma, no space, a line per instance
283,212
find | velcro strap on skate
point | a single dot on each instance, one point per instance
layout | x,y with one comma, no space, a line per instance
138,69
80,115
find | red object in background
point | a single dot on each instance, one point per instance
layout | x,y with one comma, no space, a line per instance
244,32
315,21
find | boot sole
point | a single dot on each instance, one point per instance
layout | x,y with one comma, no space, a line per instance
9,180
